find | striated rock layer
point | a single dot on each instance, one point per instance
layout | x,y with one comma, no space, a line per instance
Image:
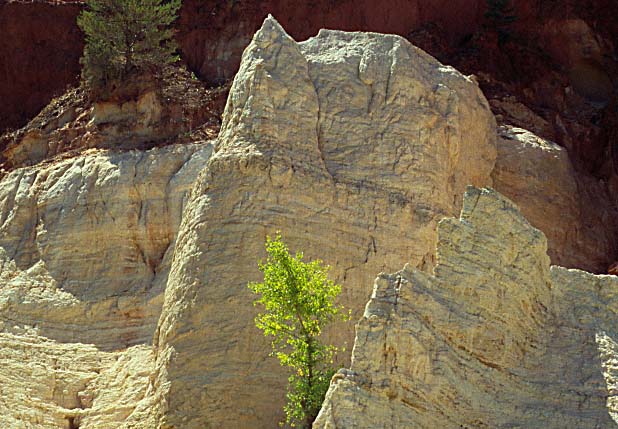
50,385
493,339
353,145
85,249
85,243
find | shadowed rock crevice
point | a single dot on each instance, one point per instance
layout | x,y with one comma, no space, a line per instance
575,211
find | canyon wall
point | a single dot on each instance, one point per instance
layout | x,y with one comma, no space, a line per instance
353,145
551,70
123,268
85,250
54,385
213,34
86,243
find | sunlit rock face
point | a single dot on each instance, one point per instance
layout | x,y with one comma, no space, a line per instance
353,145
494,338
86,243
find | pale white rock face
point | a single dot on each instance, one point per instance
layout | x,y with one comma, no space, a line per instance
50,385
85,248
494,338
353,145
574,210
86,243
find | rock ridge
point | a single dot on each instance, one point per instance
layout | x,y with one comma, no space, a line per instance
493,338
305,148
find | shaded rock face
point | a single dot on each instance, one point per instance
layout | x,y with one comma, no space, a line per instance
574,210
353,145
85,243
493,339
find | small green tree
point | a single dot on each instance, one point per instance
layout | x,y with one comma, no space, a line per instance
299,301
124,36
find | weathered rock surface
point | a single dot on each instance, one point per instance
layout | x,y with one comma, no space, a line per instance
353,145
493,339
148,110
46,384
86,243
575,211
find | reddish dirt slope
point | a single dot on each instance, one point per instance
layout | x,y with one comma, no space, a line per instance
40,43
213,33
559,56
40,46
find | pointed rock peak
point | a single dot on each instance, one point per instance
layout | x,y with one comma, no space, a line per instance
271,31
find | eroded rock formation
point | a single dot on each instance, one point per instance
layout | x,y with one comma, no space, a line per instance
147,110
574,210
52,385
86,243
353,145
85,250
493,339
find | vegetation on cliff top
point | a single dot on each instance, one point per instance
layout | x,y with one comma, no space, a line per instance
126,36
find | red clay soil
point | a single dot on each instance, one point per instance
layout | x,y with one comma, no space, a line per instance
557,58
40,46
213,33
40,43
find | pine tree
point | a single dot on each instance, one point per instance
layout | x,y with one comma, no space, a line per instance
125,36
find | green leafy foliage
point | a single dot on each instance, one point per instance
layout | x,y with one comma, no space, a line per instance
123,36
298,301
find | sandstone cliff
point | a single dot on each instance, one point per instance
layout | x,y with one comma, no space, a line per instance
86,243
353,145
85,250
123,267
494,338
51,385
